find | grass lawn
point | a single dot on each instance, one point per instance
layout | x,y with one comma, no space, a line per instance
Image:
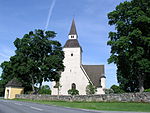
107,106
1,98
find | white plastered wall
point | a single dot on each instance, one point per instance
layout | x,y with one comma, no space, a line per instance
72,73
100,90
7,95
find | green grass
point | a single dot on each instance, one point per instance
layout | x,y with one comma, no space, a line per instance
107,106
1,98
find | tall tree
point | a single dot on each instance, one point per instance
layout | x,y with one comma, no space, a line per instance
38,58
130,44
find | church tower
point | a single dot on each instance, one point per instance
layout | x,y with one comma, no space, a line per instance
76,75
72,48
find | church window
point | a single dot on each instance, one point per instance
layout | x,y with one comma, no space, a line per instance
72,36
71,54
73,86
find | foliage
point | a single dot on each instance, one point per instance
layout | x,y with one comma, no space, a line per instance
108,91
73,92
147,90
91,89
38,58
2,88
130,44
117,89
45,90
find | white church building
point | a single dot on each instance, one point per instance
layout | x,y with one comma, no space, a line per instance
75,73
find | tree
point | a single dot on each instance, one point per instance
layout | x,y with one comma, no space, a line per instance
8,74
91,89
130,44
38,58
58,86
2,88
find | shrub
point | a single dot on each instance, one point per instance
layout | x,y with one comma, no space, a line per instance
147,90
45,90
117,89
91,89
108,91
73,92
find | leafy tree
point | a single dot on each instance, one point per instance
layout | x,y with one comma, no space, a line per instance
2,88
130,44
91,89
8,74
45,90
73,92
117,89
38,58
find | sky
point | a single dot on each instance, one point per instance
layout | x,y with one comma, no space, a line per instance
18,17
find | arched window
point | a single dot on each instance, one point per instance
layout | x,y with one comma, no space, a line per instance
71,54
73,86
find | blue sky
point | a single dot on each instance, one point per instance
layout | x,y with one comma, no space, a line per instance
18,17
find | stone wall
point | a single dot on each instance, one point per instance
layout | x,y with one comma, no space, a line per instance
126,97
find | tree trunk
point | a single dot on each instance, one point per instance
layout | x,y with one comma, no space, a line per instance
58,88
40,86
58,92
141,84
33,88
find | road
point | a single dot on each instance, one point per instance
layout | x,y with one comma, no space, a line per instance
11,106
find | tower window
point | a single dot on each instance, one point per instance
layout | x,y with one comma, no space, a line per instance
71,54
72,36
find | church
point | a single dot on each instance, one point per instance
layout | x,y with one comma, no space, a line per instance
76,75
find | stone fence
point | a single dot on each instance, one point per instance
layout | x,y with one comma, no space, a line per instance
125,97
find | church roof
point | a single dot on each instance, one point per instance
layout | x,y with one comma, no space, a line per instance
95,72
72,43
14,83
73,30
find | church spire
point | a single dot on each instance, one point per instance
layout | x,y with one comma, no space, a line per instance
73,28
73,31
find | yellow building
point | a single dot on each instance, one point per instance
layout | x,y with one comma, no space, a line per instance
13,87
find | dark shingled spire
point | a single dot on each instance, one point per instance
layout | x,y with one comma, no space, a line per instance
73,29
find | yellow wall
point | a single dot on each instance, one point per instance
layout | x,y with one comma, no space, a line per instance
12,92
